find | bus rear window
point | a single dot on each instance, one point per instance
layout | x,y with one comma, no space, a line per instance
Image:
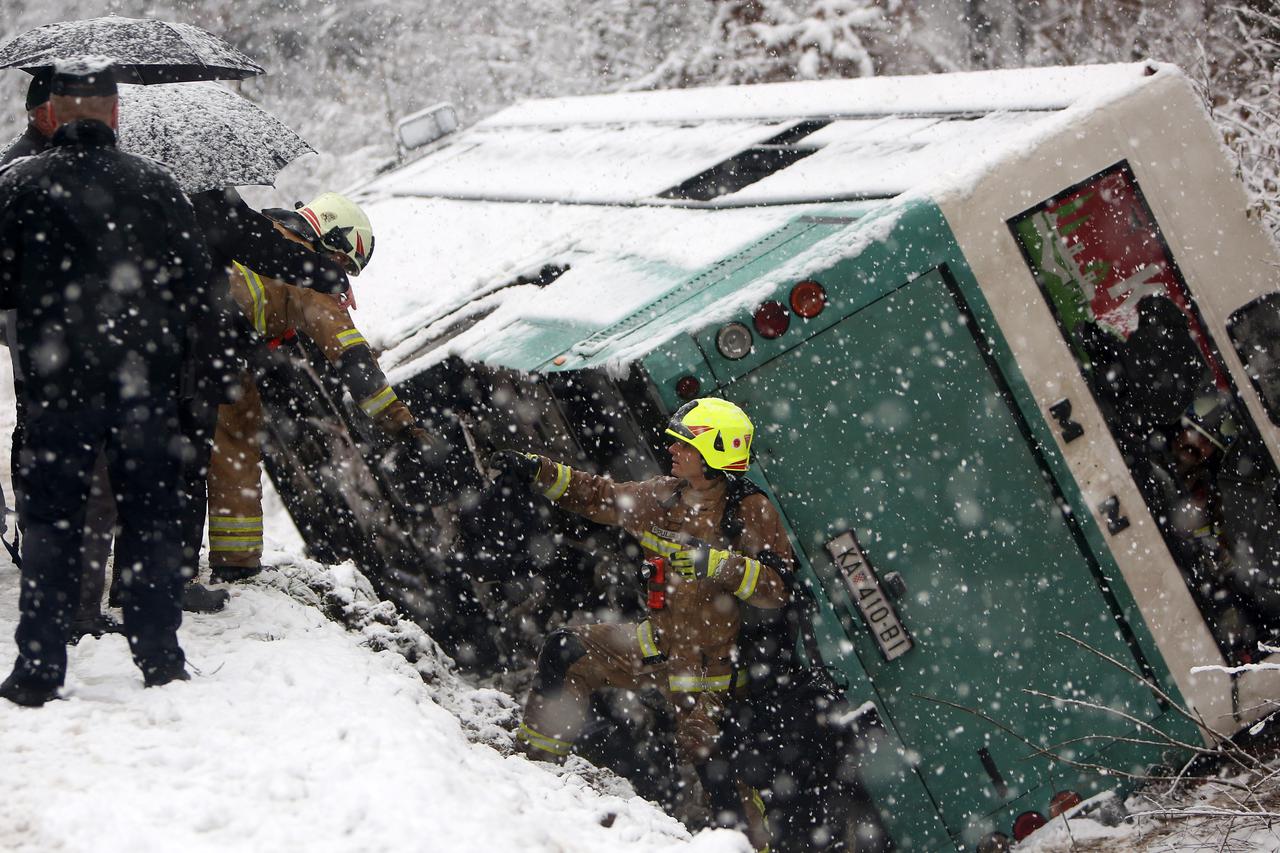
1255,333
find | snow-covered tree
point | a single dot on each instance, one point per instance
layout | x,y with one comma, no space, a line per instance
766,41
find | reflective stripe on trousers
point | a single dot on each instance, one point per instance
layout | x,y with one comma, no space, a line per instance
231,533
706,683
349,338
375,403
546,743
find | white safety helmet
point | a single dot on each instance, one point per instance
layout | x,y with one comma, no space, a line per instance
333,222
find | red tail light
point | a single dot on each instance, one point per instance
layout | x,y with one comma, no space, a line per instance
1027,823
1063,801
772,320
687,387
808,298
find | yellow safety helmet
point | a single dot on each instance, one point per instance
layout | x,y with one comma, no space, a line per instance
718,430
333,222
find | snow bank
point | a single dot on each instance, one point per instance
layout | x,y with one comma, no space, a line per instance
296,733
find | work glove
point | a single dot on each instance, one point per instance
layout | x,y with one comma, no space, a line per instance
696,560
523,466
421,463
425,450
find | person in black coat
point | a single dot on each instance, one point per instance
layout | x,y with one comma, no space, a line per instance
232,231
103,261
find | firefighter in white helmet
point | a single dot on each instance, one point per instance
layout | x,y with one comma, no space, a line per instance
336,226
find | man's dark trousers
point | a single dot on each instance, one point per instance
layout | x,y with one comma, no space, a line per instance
144,459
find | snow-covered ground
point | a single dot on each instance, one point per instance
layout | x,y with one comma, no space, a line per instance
294,734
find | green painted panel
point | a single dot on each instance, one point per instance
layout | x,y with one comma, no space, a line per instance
862,269
678,357
525,343
911,444
886,766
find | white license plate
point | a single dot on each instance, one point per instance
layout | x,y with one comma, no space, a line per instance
867,593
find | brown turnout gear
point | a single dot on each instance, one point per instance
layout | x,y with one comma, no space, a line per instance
235,487
686,649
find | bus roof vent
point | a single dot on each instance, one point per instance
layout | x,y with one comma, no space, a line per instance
746,167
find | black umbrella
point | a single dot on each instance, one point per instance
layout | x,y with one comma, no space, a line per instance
208,136
143,50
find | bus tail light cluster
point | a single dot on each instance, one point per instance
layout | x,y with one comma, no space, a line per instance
1028,822
772,319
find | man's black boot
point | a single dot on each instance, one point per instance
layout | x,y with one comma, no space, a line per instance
232,574
164,675
27,692
197,598
103,623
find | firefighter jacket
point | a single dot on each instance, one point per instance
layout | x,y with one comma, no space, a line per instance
274,309
698,628
105,279
236,232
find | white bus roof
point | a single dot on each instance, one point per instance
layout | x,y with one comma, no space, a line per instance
601,184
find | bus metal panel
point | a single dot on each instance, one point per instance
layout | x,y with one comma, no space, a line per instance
892,425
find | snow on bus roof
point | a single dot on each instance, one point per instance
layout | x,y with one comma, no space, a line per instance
886,135
576,182
440,261
926,94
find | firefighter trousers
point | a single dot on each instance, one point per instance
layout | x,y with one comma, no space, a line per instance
235,482
576,662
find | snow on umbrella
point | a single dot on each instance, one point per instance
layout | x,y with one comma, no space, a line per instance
207,136
145,51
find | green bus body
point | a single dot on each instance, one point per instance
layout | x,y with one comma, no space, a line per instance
899,413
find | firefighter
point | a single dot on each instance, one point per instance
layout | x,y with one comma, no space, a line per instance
336,226
687,647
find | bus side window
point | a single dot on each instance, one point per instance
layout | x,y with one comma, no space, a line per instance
1255,333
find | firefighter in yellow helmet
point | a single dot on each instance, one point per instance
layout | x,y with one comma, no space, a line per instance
714,545
336,226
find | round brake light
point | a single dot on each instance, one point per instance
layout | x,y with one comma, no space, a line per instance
1027,823
808,298
687,387
772,320
733,340
1063,801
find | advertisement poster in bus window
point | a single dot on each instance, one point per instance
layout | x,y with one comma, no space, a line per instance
1096,251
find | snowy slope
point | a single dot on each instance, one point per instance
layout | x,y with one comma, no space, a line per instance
294,734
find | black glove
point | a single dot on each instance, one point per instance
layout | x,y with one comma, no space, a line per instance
420,465
426,451
523,466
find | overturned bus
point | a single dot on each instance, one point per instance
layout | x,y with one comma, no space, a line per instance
1009,342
